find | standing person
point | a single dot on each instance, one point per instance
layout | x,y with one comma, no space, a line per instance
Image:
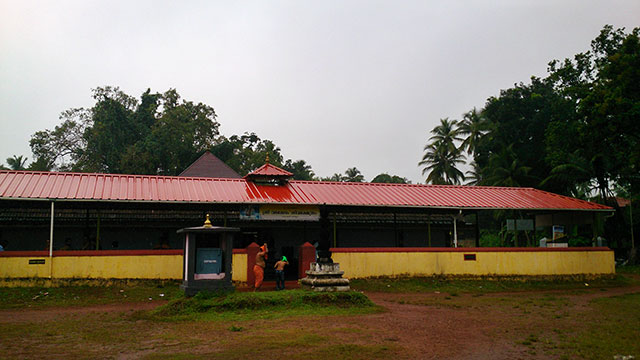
258,268
279,266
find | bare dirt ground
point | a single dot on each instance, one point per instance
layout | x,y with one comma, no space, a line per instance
414,326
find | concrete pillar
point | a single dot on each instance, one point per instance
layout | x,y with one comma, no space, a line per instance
307,255
252,251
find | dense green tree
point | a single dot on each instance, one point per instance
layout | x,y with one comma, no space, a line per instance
41,164
300,169
160,134
518,120
247,152
390,179
17,162
604,134
506,169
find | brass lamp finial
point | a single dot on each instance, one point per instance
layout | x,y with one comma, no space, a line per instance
207,222
267,159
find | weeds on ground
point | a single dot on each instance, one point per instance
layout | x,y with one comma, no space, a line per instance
481,285
114,292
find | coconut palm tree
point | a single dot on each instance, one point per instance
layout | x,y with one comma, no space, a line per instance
446,134
474,125
17,162
441,164
442,155
474,176
353,175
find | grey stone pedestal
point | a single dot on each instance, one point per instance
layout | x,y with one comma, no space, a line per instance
325,277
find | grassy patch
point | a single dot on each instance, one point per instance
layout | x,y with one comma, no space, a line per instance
37,297
481,285
613,329
629,269
237,305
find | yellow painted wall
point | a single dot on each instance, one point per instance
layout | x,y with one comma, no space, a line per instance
534,263
355,265
239,267
109,267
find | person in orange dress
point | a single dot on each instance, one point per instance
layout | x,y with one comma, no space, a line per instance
258,268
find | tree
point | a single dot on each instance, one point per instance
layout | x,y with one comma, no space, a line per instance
350,175
300,169
335,177
247,152
441,165
17,162
446,134
602,87
474,175
160,134
353,175
442,156
505,169
63,146
390,179
474,125
518,122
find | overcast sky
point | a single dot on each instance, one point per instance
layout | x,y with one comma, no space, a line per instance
336,83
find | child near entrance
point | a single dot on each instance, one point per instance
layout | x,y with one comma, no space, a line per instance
279,266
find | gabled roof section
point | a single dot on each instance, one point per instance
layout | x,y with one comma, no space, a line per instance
208,165
268,170
30,185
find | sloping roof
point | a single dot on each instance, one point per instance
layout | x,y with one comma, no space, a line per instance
169,189
208,165
622,202
268,170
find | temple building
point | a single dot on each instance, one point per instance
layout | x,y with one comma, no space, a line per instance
64,214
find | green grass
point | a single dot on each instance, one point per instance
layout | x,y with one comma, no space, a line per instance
629,269
482,285
614,329
115,292
263,305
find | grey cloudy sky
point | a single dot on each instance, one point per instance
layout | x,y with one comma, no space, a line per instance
336,83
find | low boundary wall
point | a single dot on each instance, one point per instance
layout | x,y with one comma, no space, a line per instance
372,262
104,264
356,263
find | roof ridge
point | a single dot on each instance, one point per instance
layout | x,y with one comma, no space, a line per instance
66,173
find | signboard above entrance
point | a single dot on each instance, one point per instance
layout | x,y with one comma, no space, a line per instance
281,212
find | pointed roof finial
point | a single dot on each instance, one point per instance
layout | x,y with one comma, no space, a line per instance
207,222
267,159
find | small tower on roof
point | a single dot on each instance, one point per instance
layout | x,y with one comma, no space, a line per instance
268,174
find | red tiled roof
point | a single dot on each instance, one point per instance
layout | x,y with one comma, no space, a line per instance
268,170
208,165
167,189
